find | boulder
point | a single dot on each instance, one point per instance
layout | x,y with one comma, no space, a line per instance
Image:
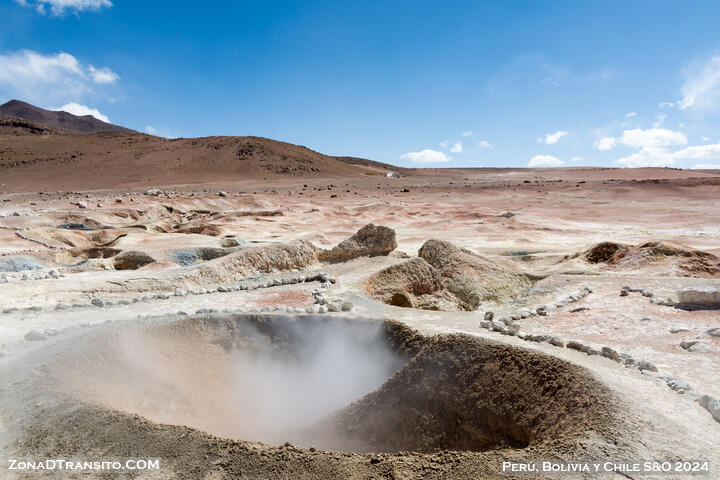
699,297
370,240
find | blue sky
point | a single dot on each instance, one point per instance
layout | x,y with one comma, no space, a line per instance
414,83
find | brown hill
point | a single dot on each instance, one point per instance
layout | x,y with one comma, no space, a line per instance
58,120
51,162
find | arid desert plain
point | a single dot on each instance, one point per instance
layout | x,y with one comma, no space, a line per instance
251,309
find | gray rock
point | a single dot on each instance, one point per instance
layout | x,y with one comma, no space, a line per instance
346,306
98,302
62,306
498,326
556,341
680,386
489,316
35,336
541,311
323,309
625,359
608,352
645,365
179,292
333,307
579,309
485,324
714,409
223,194
575,345
624,293
679,329
714,332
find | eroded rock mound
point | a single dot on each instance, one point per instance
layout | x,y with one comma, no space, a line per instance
131,260
470,277
252,260
412,284
370,240
677,259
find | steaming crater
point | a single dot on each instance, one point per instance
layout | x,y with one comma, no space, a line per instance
339,384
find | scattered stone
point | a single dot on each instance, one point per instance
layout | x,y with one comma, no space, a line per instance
223,194
485,324
556,341
35,336
346,306
575,345
714,332
624,293
625,359
695,345
541,310
679,329
680,386
61,306
579,309
489,316
322,309
645,365
608,352
98,302
712,405
498,326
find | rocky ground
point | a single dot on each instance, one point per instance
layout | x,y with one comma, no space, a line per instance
612,273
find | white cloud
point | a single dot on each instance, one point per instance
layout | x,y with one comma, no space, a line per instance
666,104
630,114
705,139
102,75
457,147
707,166
648,157
80,110
576,159
552,138
58,7
702,84
699,152
653,145
426,156
652,138
660,119
547,160
467,133
484,144
51,78
444,144
605,143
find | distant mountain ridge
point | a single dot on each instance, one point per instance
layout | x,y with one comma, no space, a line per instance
59,120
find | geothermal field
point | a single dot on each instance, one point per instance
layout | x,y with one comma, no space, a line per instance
236,307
